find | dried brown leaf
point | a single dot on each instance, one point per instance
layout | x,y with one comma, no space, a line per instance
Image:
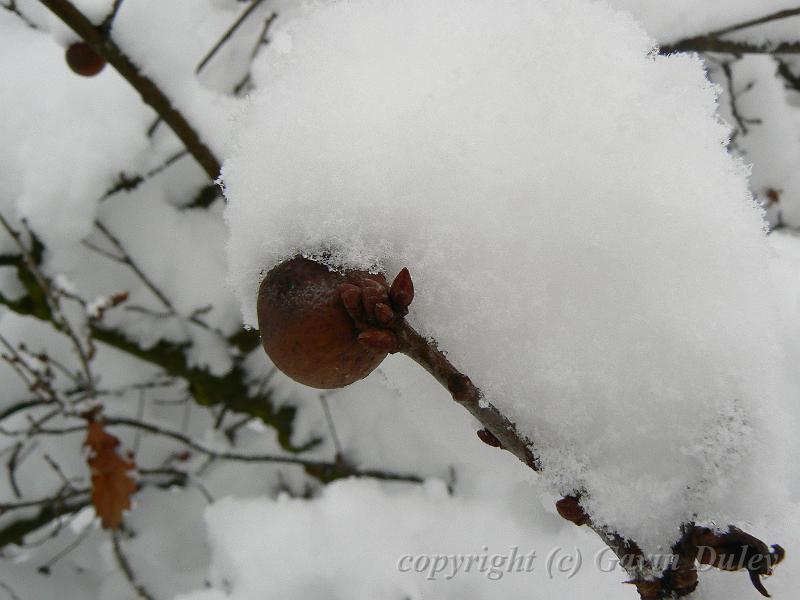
112,484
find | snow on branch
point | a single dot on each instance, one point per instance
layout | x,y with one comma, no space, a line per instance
151,94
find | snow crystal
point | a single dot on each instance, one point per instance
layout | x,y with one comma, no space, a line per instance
581,243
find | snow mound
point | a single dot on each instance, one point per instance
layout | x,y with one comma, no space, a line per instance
582,244
342,545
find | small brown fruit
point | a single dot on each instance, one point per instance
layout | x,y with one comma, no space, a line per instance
83,60
304,314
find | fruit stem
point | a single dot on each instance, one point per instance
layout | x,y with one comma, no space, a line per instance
426,354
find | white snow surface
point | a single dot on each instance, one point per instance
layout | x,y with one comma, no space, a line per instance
583,245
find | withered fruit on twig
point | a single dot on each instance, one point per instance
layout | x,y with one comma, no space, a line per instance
328,329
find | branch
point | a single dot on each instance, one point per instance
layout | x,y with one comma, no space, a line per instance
791,80
126,569
12,7
741,121
712,44
227,35
678,580
323,469
428,355
16,531
150,92
378,311
131,182
260,41
781,14
108,22
126,259
50,298
233,389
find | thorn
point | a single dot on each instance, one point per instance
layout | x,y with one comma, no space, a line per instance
402,290
488,438
384,314
569,507
379,339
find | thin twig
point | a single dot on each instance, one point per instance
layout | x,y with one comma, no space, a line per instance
464,392
57,468
61,496
108,22
59,320
785,72
12,7
139,416
87,530
710,44
149,91
126,259
227,35
20,406
131,182
315,465
326,409
126,569
781,14
261,40
10,591
741,121
181,478
11,467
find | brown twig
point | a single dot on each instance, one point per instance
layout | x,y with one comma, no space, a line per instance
428,356
710,44
12,7
131,182
150,92
784,71
261,40
108,22
315,466
742,122
123,257
227,35
126,569
781,14
679,578
60,321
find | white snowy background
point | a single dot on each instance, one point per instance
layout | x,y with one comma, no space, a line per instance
583,221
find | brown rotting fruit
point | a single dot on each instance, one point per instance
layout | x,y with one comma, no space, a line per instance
328,329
